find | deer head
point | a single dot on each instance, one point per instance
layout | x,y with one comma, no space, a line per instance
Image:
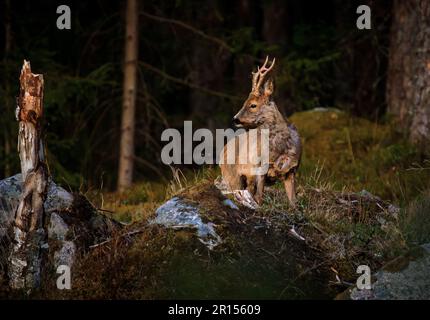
258,108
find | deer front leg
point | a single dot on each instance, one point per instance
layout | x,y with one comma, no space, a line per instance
259,189
290,188
251,184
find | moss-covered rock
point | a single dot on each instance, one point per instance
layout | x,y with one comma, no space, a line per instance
405,278
73,225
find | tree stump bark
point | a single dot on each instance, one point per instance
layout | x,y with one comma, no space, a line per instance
29,234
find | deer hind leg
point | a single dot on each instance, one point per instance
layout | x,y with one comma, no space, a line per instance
290,188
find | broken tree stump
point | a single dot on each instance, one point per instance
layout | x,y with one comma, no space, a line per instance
29,234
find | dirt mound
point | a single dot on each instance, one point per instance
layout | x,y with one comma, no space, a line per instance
273,252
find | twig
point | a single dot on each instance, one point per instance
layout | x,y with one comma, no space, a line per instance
184,25
221,43
149,165
104,210
351,151
186,83
269,253
316,226
315,266
131,233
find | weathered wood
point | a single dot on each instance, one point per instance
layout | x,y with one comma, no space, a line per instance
29,233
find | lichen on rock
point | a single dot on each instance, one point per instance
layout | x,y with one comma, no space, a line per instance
178,213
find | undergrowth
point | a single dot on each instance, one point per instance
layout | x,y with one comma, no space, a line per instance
363,198
341,153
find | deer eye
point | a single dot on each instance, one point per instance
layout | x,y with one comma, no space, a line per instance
253,106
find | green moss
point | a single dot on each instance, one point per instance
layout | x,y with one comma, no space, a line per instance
342,155
353,153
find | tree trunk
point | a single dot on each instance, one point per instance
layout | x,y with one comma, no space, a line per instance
126,156
29,234
408,85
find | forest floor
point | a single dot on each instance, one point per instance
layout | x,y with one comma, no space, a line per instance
363,199
352,171
341,153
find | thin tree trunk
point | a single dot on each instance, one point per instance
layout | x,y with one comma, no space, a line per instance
126,156
408,84
25,261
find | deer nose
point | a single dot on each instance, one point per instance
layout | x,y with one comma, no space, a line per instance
236,121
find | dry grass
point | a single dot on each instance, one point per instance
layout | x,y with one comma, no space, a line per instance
415,220
357,154
349,229
343,227
342,155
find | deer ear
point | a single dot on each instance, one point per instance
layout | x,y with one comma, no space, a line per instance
268,88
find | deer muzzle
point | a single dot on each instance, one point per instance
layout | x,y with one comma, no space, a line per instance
236,122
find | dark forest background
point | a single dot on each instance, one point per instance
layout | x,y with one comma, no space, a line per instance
195,62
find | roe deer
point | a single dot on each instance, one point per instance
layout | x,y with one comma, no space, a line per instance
259,112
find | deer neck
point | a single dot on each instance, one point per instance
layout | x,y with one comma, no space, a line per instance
276,122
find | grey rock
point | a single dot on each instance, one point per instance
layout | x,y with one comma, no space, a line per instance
57,228
66,255
67,215
10,192
230,204
405,278
58,199
177,213
393,210
322,109
368,195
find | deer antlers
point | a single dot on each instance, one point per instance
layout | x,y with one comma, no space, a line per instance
258,77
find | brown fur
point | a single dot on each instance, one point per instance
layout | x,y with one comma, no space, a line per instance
259,112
